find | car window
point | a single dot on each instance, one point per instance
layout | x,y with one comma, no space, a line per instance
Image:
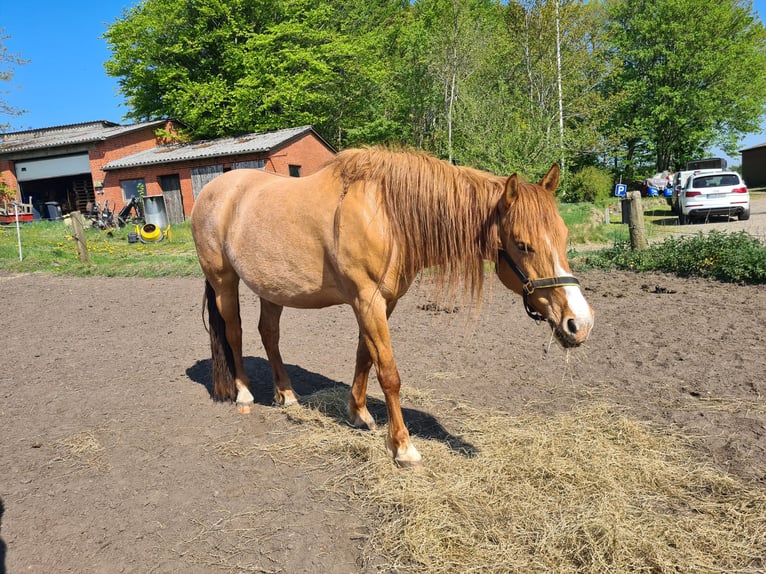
706,181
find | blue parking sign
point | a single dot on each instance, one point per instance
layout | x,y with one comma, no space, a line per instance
620,190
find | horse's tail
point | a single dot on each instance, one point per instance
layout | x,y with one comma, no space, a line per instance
224,385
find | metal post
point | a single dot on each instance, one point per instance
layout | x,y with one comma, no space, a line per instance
18,227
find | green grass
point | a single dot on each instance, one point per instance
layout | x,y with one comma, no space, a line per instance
587,223
738,257
50,247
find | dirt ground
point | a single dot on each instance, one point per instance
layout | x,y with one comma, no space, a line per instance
114,458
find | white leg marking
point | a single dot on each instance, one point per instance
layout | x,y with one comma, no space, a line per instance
244,396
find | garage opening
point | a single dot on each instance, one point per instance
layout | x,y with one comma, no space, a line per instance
71,193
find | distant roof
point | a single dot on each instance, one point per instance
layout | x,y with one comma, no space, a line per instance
757,146
250,143
71,134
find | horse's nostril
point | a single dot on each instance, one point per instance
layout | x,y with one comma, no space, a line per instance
572,326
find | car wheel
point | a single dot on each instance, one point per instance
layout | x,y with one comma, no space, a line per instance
683,219
744,215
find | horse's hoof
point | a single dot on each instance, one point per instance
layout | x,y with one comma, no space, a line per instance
406,456
414,465
364,423
286,399
245,408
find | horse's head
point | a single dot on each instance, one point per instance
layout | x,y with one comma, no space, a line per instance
532,259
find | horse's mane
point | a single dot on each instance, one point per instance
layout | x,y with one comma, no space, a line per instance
441,214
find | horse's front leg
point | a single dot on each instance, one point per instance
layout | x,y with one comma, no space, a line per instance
373,330
268,327
359,416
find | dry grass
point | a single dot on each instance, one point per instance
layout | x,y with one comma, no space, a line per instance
82,450
586,491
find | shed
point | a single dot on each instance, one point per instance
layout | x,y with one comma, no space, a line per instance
56,164
77,165
178,171
754,165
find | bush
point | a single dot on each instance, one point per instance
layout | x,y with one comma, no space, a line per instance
590,184
736,257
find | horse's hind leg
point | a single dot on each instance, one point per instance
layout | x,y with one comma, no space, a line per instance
268,327
226,342
358,414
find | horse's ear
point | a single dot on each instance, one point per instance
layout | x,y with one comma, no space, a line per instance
511,189
551,179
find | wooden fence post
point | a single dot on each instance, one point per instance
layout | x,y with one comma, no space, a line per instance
636,224
79,236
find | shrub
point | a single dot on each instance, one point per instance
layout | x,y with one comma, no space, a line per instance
590,184
736,257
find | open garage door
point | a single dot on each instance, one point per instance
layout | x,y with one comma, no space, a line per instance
65,180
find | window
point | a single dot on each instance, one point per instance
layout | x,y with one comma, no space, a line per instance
295,171
130,188
252,164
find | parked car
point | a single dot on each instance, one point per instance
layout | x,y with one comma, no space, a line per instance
717,193
679,181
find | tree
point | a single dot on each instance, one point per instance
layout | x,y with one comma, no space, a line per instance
233,66
689,77
8,63
512,112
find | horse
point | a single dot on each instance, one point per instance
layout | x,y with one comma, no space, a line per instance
358,232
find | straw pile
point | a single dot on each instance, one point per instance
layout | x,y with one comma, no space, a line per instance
586,491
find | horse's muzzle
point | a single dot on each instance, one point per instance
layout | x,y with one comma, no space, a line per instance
573,331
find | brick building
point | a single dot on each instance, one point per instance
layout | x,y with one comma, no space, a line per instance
75,165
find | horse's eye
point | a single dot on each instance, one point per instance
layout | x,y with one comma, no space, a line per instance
521,246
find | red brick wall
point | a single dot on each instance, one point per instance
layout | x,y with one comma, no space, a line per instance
308,152
8,177
119,147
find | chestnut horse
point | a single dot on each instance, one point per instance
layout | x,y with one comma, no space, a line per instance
358,232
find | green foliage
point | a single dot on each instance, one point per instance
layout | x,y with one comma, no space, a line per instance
685,77
235,66
642,84
736,257
590,184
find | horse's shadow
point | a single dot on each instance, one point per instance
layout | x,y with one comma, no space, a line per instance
3,546
305,383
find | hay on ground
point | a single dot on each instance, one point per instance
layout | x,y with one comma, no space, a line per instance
587,491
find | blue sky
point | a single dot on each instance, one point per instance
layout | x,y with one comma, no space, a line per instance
65,81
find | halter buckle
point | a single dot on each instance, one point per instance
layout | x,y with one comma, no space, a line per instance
528,287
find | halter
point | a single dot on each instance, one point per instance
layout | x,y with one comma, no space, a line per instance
528,285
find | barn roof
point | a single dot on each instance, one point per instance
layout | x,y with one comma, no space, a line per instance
245,144
757,146
67,135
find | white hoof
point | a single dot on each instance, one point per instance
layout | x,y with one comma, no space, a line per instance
245,408
285,398
405,456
